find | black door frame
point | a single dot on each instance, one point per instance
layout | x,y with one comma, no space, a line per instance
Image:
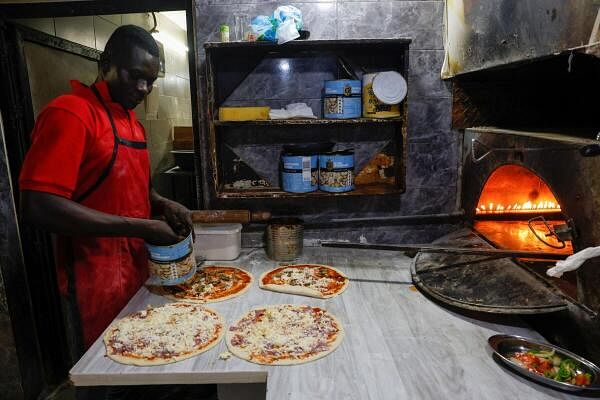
51,362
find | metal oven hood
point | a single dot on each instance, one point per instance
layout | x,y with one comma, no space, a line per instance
482,34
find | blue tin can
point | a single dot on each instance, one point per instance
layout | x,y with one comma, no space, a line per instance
336,171
171,265
342,99
299,173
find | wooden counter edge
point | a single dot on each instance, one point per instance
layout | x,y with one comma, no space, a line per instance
162,378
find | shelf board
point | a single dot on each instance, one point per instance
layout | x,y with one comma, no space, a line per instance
306,43
275,193
267,122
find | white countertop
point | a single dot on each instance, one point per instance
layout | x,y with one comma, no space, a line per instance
398,343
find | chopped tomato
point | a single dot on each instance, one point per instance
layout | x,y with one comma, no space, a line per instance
529,360
582,379
544,365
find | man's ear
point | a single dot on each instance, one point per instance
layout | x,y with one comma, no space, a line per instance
104,63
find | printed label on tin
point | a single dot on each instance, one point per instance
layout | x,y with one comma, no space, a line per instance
334,105
306,175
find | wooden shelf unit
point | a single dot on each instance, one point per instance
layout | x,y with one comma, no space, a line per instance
266,193
229,64
317,121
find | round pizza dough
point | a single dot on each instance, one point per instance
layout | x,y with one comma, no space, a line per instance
196,290
284,334
163,335
301,289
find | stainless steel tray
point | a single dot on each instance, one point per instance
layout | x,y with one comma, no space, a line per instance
505,345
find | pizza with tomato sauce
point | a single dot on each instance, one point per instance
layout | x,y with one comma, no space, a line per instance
163,335
284,334
321,281
210,284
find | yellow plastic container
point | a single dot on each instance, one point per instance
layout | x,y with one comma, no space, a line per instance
372,107
243,113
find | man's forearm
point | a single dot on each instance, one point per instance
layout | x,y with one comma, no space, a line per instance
63,216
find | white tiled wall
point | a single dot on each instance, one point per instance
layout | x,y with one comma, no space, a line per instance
174,102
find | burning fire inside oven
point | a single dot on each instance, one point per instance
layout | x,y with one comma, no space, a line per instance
512,189
517,210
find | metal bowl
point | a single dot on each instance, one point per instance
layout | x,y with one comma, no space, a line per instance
506,345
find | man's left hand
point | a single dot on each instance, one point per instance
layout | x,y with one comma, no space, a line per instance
178,217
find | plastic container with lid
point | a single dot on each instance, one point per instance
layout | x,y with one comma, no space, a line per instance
218,241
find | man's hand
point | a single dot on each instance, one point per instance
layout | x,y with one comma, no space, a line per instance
160,233
175,214
178,217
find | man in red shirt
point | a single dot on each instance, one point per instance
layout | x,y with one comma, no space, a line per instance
86,178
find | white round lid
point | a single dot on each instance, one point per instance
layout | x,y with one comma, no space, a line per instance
389,87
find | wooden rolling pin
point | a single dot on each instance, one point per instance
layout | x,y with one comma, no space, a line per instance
229,216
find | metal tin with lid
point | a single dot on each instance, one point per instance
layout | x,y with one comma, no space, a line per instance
336,171
299,172
342,99
389,87
171,265
372,106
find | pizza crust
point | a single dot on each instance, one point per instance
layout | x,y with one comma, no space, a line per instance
302,290
162,291
246,355
141,361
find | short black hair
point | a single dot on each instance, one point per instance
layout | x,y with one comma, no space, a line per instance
122,40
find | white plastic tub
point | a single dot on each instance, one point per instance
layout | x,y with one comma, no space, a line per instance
218,241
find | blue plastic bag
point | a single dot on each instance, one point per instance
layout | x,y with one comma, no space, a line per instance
265,28
284,12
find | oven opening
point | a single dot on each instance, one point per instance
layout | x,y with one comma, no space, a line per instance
513,189
517,210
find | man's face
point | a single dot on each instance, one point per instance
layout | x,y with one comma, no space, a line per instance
132,80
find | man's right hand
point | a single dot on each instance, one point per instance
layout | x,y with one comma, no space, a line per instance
160,233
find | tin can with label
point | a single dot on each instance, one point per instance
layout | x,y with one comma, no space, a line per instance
342,99
171,265
336,171
372,106
299,173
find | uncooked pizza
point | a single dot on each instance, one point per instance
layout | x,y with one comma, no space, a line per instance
210,284
284,334
163,335
313,280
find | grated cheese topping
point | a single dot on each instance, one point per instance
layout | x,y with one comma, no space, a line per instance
308,276
283,332
164,332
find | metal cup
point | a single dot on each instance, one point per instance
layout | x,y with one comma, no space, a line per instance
284,239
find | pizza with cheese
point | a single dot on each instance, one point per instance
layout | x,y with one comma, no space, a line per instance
211,283
284,334
321,281
163,335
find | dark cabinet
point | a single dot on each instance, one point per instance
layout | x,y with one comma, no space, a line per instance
243,157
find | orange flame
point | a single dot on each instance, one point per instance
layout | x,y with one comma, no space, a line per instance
512,189
527,207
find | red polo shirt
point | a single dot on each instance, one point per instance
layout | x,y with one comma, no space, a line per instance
71,145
